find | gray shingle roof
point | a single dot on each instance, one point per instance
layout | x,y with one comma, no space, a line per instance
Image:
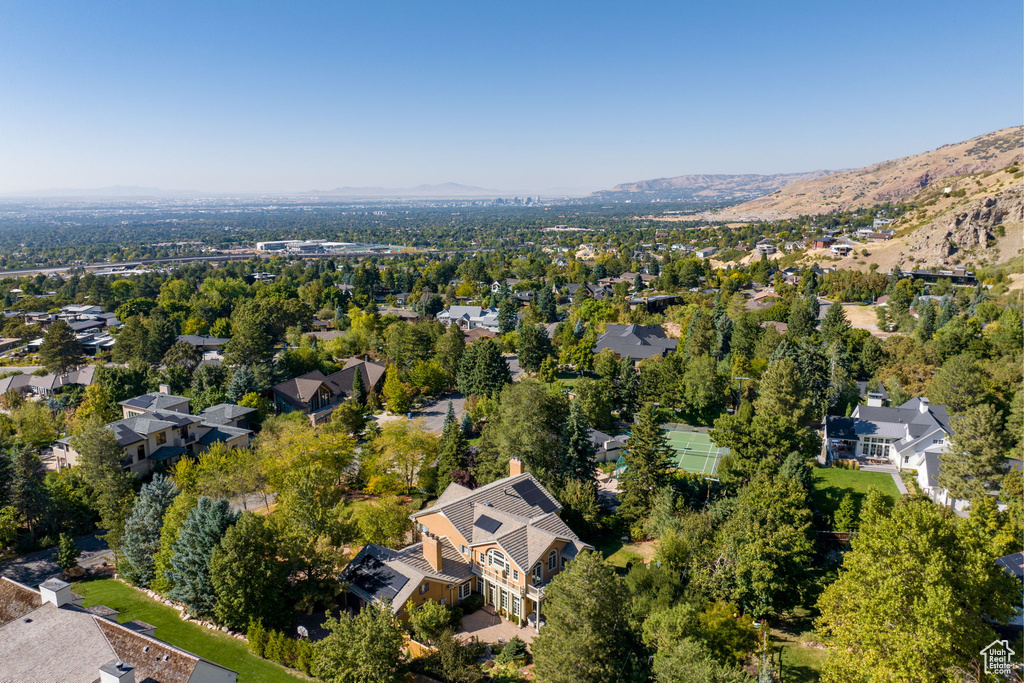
222,413
221,433
155,401
636,341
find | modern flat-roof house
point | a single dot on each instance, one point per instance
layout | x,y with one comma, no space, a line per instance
706,252
157,430
46,635
203,341
317,394
503,540
470,317
609,448
636,341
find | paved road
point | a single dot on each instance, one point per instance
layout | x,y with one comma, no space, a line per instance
35,568
433,413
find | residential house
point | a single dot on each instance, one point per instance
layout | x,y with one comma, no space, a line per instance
46,385
706,252
636,341
470,317
597,291
317,395
157,430
1013,565
228,415
842,250
822,242
657,303
203,341
46,635
902,436
765,247
503,540
609,448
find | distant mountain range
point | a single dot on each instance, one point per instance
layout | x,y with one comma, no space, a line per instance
707,187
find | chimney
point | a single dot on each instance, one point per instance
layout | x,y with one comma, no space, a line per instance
432,550
515,467
164,388
56,592
875,400
923,405
116,671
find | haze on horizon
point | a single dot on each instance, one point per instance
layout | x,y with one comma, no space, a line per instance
535,97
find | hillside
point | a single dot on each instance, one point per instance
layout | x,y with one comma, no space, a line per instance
708,187
896,180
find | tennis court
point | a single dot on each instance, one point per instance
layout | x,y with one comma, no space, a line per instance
696,452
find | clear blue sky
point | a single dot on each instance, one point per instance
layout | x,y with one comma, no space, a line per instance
235,96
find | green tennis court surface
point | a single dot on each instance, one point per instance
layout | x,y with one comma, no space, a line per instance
695,451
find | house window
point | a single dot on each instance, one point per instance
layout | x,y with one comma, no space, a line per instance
552,560
538,571
515,574
464,550
515,606
496,559
142,452
481,558
938,442
161,438
183,433
424,587
504,600
465,590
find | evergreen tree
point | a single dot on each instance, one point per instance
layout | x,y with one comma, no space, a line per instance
779,391
534,346
507,315
587,636
248,577
243,381
483,370
467,425
835,325
449,349
638,283
67,553
801,318
358,388
132,343
189,572
173,519
628,387
647,456
27,490
60,351
976,461
546,305
579,456
142,530
451,451
161,335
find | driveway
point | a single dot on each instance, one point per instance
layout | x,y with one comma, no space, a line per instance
433,413
35,568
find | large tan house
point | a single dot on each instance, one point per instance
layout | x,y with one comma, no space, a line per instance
504,541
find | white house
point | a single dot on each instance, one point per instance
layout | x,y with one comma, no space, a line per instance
901,435
470,317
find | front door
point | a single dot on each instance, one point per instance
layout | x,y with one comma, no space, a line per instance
492,596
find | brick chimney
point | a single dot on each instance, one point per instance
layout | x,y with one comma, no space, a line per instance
515,467
55,592
116,671
432,550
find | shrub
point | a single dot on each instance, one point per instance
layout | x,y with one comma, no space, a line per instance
472,603
514,651
257,636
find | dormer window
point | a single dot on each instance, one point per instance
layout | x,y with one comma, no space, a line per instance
552,560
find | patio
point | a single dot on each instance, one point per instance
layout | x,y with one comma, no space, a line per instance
490,628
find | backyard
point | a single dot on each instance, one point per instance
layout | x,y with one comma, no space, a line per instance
831,483
213,645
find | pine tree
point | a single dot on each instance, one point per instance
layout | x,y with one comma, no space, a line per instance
451,451
801,318
483,370
467,424
67,553
638,283
628,387
142,530
534,347
27,492
173,520
248,578
132,343
546,305
243,381
449,349
579,457
507,315
835,325
647,457
161,335
976,461
190,567
60,350
358,387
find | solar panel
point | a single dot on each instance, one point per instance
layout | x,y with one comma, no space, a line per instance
377,579
487,524
532,495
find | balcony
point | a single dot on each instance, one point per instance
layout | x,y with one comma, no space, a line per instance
534,588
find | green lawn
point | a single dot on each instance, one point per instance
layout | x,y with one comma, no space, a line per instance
213,645
830,483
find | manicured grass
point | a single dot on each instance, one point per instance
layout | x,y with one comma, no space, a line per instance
619,553
213,645
831,483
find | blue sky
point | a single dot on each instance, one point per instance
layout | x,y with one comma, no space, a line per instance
257,96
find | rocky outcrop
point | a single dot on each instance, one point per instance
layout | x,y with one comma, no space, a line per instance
974,226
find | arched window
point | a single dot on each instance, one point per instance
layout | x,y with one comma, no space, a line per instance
552,560
496,559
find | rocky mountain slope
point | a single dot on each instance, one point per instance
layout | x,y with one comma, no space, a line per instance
896,180
708,187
